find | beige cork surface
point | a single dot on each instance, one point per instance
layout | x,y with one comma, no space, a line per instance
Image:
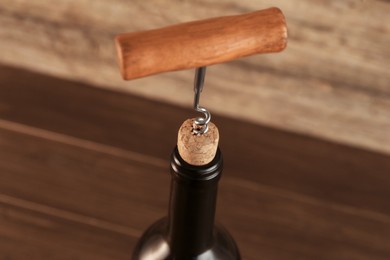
197,149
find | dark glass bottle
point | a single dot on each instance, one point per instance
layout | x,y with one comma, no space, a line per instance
189,231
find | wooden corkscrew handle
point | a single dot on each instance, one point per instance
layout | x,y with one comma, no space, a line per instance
200,43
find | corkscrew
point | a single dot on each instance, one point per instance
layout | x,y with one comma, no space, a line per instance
199,44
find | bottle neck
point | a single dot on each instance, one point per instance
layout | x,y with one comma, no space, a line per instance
192,205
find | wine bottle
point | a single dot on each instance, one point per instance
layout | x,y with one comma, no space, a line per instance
189,232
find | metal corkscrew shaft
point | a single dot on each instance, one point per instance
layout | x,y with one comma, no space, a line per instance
200,123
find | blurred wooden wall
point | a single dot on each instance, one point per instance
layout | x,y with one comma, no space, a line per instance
332,81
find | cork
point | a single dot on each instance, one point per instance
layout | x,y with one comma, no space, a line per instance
197,149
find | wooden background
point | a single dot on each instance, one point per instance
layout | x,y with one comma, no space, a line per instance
83,166
332,81
82,175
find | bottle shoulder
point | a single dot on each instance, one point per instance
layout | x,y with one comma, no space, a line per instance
153,245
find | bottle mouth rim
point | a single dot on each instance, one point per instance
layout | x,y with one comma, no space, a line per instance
186,171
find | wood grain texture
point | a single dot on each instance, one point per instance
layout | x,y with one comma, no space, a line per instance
74,175
266,220
200,43
30,234
332,81
105,117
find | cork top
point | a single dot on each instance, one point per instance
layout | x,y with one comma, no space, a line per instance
197,149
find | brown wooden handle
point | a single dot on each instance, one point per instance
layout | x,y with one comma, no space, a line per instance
200,43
